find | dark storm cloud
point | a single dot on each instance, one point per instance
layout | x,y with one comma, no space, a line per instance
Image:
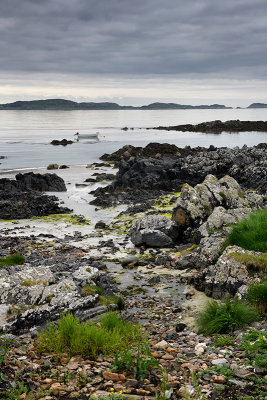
134,37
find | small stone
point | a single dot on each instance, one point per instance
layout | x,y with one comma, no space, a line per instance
142,392
218,379
161,345
167,357
238,383
172,336
113,376
200,348
180,327
220,362
72,365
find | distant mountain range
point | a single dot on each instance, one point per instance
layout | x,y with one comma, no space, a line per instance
61,104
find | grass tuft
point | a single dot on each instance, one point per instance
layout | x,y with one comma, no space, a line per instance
225,317
88,339
12,259
250,233
257,296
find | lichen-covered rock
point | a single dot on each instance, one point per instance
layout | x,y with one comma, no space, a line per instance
85,275
26,286
154,231
213,203
220,217
227,276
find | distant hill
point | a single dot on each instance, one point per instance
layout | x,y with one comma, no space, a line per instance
174,106
61,104
257,105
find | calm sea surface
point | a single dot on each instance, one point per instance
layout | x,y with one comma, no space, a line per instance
25,136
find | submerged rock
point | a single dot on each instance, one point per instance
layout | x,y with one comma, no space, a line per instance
63,142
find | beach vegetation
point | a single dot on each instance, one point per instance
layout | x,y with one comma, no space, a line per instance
136,360
255,345
257,263
12,259
225,317
29,282
88,339
91,290
257,296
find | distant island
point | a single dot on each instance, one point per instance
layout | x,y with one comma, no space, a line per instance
61,104
257,105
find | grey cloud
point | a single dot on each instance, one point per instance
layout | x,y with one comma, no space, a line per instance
134,37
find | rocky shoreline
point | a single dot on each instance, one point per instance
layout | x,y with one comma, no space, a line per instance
161,252
219,126
161,168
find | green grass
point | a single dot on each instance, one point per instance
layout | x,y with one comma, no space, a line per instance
250,233
257,295
136,360
88,339
225,317
12,259
90,290
222,341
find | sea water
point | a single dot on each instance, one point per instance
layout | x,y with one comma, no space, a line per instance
25,136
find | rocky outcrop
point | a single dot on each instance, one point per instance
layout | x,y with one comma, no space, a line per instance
35,294
21,198
213,203
152,149
227,276
219,126
154,231
32,181
139,176
28,204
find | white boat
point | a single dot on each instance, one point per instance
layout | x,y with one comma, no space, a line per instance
91,136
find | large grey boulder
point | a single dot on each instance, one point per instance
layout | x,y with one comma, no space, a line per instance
154,231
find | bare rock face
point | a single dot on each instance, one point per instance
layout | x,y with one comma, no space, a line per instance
154,231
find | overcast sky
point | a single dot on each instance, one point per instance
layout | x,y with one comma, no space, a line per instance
134,51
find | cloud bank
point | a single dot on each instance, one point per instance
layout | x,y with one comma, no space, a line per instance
89,40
